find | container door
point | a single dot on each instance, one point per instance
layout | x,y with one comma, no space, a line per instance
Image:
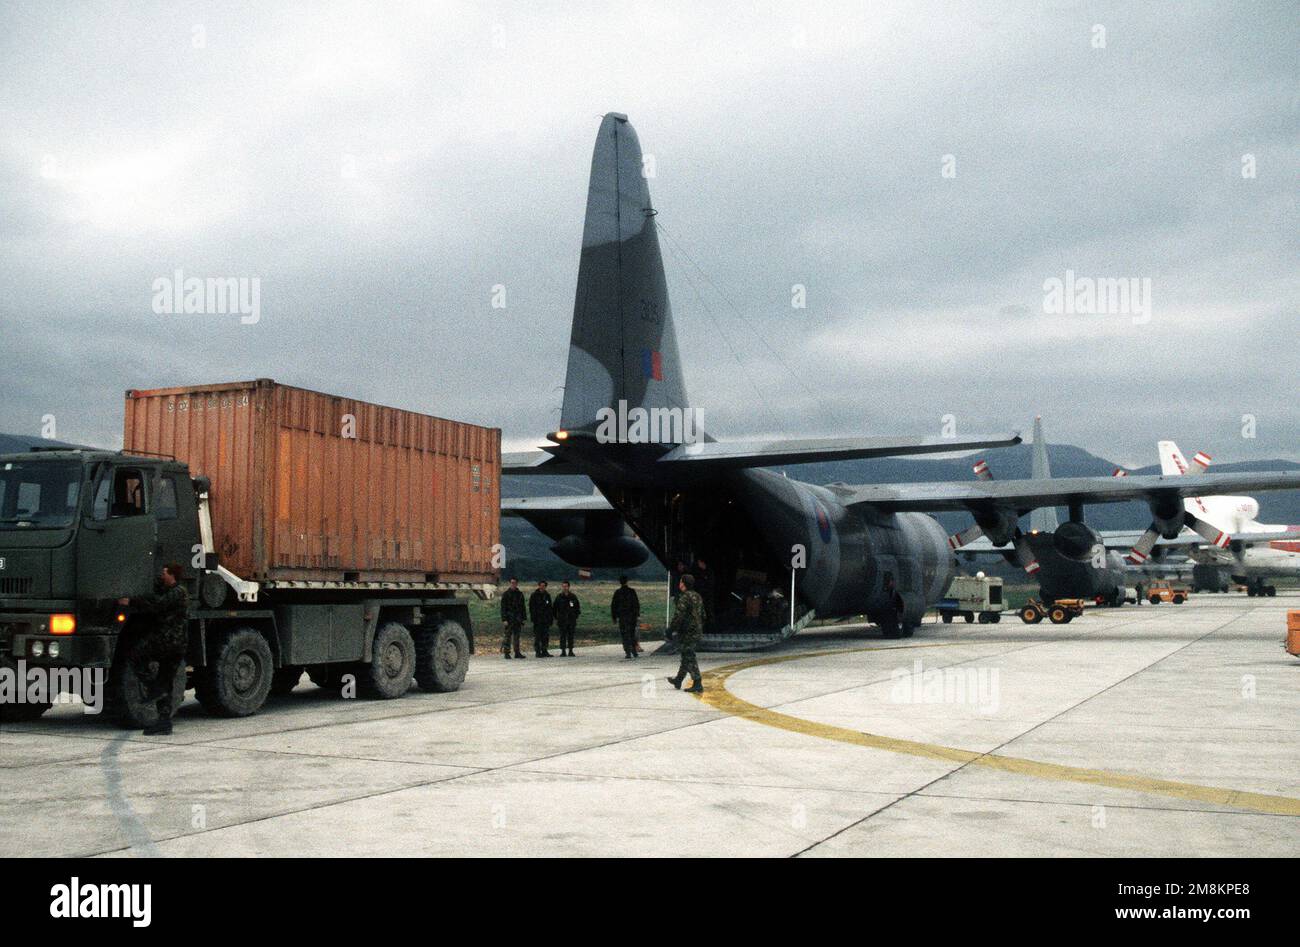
116,542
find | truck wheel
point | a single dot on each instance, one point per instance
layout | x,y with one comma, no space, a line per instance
1178,599
969,616
238,680
285,679
1030,615
1154,600
1058,615
441,657
995,617
17,713
390,670
947,617
125,702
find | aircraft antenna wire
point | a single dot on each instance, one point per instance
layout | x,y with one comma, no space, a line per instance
739,315
678,252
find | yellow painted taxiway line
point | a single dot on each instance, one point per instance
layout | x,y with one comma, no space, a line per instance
717,696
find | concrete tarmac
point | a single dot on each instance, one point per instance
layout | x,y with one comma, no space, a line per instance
1153,730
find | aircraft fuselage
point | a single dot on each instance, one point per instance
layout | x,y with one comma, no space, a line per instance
754,528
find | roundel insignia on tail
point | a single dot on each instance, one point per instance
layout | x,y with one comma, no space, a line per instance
823,522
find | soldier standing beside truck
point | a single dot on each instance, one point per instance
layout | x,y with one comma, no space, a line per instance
567,610
542,613
625,608
165,643
513,616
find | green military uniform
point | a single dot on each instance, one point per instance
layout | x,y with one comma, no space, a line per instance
166,643
542,613
567,609
513,615
625,608
688,629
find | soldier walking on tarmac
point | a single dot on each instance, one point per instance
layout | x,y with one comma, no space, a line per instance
567,610
513,616
688,629
625,608
165,642
542,613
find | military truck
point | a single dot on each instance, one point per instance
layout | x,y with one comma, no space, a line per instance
351,534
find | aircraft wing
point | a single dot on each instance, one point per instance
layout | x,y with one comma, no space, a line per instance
1023,495
774,453
1125,538
1119,539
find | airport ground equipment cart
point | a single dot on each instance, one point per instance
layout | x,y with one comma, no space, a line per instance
1061,612
1164,592
973,597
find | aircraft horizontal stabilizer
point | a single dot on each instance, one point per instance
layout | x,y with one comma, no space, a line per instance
775,453
535,462
1023,495
522,506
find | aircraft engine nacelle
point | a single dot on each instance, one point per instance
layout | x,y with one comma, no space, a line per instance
1075,541
615,552
1169,526
998,525
1168,517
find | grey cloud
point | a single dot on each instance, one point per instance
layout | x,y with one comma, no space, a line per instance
800,147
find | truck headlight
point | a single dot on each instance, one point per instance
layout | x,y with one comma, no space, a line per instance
53,649
63,624
38,648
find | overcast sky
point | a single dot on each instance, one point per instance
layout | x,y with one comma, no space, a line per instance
380,170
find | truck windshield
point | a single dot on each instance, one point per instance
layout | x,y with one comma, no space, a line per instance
39,494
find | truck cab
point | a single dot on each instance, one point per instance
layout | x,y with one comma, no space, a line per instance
78,531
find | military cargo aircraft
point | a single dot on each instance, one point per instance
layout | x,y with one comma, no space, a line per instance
1067,560
833,551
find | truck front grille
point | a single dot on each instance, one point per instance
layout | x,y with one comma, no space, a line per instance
16,585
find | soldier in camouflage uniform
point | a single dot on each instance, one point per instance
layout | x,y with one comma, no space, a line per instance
625,608
513,615
165,643
688,629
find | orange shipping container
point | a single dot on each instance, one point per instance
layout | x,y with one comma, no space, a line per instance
312,487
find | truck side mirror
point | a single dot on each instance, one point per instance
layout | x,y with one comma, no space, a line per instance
210,561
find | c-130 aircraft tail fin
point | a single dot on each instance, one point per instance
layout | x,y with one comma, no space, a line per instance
623,347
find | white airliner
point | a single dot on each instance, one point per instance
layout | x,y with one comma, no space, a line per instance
1251,555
